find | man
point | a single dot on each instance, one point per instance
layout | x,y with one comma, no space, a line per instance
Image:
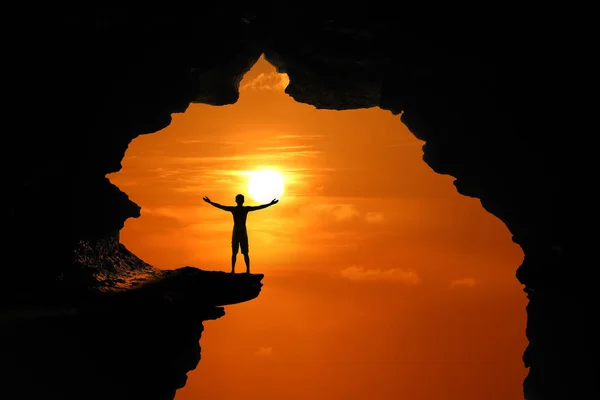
239,236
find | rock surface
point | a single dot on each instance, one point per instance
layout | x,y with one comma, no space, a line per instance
131,336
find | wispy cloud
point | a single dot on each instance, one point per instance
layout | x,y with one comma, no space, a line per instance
170,212
260,155
264,352
338,212
464,282
374,217
307,136
284,148
399,275
208,141
271,81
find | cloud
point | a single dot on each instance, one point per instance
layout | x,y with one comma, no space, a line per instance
465,282
374,217
339,212
304,136
398,275
164,212
264,352
343,212
271,81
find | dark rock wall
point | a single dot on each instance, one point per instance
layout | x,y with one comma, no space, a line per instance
133,351
481,85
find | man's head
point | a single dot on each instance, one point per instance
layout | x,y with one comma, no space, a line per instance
239,199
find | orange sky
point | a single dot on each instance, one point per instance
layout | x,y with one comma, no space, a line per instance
381,281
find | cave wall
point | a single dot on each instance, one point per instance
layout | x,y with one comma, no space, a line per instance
479,86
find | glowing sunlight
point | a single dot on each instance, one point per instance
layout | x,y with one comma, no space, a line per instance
265,185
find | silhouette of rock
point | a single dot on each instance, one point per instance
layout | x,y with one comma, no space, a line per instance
133,333
493,91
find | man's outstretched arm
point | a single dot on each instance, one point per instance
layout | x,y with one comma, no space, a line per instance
254,208
212,203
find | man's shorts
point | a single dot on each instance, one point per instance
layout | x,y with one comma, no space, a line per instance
239,241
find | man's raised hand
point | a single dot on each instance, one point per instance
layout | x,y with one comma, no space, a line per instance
206,199
274,201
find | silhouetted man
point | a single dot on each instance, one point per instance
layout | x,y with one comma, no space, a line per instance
239,236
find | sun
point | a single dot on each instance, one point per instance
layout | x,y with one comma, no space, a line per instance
265,185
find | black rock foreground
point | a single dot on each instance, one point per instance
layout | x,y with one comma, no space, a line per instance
135,343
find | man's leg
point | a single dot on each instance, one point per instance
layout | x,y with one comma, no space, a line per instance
244,246
234,250
247,261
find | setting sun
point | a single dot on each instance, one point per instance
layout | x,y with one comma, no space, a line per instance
265,185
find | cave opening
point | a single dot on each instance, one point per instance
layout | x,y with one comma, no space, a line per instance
498,94
369,250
